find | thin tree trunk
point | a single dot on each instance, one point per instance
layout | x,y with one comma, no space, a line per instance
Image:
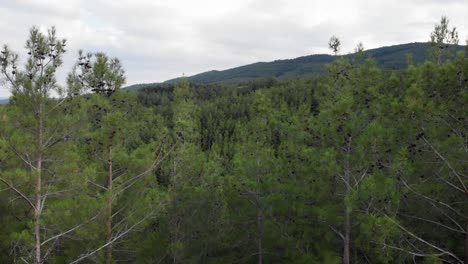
38,209
260,235
37,213
175,217
259,219
466,243
347,238
347,224
109,210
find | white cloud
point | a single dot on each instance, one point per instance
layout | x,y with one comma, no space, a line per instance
158,40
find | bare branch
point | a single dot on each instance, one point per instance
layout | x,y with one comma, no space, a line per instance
21,157
113,240
449,217
337,232
69,231
18,192
345,181
128,183
434,201
461,231
451,184
360,179
411,252
447,163
442,251
95,184
50,249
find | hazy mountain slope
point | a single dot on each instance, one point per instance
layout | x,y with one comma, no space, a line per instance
391,58
4,101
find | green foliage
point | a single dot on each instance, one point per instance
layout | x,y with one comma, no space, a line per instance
441,39
388,58
42,169
286,141
97,73
271,171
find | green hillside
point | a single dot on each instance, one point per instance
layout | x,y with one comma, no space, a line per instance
388,58
136,87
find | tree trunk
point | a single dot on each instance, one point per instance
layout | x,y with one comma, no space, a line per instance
175,220
259,219
466,243
260,235
109,210
38,209
347,238
347,224
37,212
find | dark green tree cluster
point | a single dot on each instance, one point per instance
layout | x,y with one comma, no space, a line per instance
360,165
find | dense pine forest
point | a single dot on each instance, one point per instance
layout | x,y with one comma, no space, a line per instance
356,165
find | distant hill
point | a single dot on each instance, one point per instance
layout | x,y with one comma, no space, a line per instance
4,101
136,87
390,58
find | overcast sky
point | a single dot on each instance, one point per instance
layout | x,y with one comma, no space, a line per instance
159,40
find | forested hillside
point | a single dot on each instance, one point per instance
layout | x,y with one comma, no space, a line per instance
387,58
357,165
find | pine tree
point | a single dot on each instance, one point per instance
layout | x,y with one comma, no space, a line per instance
40,138
350,135
196,206
334,44
115,151
431,173
441,39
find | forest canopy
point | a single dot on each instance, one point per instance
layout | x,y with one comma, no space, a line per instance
356,165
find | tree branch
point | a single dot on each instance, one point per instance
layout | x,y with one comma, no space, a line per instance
450,184
442,251
128,183
448,164
18,192
411,252
434,201
461,231
113,240
68,231
337,232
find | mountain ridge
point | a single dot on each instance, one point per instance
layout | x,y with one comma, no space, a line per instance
4,100
393,57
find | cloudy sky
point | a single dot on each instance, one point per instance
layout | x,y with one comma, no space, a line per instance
159,40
